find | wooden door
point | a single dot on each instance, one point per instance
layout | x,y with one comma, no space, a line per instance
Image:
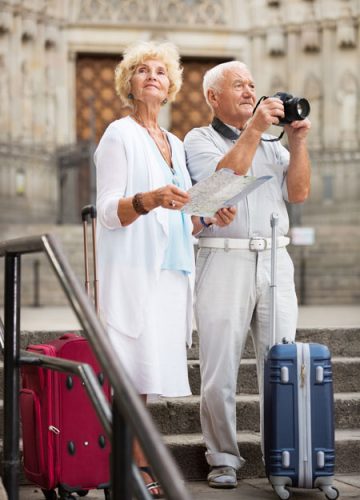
190,109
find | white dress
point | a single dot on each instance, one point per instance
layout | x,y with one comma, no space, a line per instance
147,311
156,360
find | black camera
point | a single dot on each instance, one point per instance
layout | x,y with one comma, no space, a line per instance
295,108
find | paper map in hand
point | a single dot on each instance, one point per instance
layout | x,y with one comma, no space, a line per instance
222,189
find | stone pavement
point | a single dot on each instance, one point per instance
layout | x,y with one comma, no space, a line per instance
248,489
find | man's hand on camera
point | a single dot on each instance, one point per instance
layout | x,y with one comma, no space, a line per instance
297,131
268,113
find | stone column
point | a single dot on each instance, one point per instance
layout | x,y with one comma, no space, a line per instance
70,116
39,87
14,69
28,77
330,126
294,72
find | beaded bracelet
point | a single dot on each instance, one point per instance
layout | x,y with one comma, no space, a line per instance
138,205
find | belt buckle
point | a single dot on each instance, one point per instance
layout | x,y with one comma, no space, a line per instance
257,244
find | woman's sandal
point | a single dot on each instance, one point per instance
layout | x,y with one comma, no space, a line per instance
153,485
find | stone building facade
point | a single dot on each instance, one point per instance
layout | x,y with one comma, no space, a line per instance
56,88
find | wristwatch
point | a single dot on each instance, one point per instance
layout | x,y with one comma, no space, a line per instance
203,223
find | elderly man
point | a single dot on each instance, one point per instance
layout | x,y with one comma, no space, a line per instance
233,262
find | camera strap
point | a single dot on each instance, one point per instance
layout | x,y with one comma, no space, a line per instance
275,139
224,130
228,133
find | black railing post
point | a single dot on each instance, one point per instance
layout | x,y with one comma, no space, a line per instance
11,375
36,275
121,457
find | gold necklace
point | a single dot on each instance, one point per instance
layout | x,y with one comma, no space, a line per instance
164,147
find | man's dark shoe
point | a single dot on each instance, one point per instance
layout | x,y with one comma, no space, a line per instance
222,477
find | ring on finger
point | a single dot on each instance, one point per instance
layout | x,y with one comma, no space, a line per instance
172,203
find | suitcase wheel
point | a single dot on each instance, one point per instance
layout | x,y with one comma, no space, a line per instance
65,495
283,492
50,494
82,493
331,493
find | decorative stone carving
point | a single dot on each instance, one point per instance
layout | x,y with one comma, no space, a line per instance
275,38
29,28
310,38
6,21
347,97
51,36
345,29
187,12
275,41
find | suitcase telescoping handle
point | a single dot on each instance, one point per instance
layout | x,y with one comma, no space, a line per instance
274,220
86,212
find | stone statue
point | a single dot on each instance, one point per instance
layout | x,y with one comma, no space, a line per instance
27,107
347,97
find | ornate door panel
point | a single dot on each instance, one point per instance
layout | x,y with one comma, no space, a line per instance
190,109
97,105
96,101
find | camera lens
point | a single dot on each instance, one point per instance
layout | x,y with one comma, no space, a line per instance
302,108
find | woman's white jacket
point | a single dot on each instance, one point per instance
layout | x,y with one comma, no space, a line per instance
130,258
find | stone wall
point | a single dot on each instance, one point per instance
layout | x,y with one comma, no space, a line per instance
310,48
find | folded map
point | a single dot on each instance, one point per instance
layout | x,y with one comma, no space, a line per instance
224,188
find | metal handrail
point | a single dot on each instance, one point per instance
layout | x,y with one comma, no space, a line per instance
126,401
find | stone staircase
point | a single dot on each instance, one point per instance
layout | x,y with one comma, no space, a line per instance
50,292
178,418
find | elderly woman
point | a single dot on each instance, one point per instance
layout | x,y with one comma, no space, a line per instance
145,246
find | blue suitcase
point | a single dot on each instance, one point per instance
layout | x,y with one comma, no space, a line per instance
299,443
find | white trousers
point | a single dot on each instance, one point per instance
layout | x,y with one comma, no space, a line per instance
232,294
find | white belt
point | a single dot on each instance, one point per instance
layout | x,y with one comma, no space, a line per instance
256,244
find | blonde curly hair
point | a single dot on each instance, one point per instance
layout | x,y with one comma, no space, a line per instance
141,52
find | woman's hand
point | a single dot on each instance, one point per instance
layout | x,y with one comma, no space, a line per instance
169,196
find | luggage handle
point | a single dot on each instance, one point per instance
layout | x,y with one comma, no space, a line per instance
86,212
274,220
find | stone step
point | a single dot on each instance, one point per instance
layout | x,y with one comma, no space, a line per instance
341,341
189,452
346,375
189,449
181,415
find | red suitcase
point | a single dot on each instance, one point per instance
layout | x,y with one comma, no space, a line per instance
64,443
63,440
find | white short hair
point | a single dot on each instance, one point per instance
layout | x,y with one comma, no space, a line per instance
214,77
